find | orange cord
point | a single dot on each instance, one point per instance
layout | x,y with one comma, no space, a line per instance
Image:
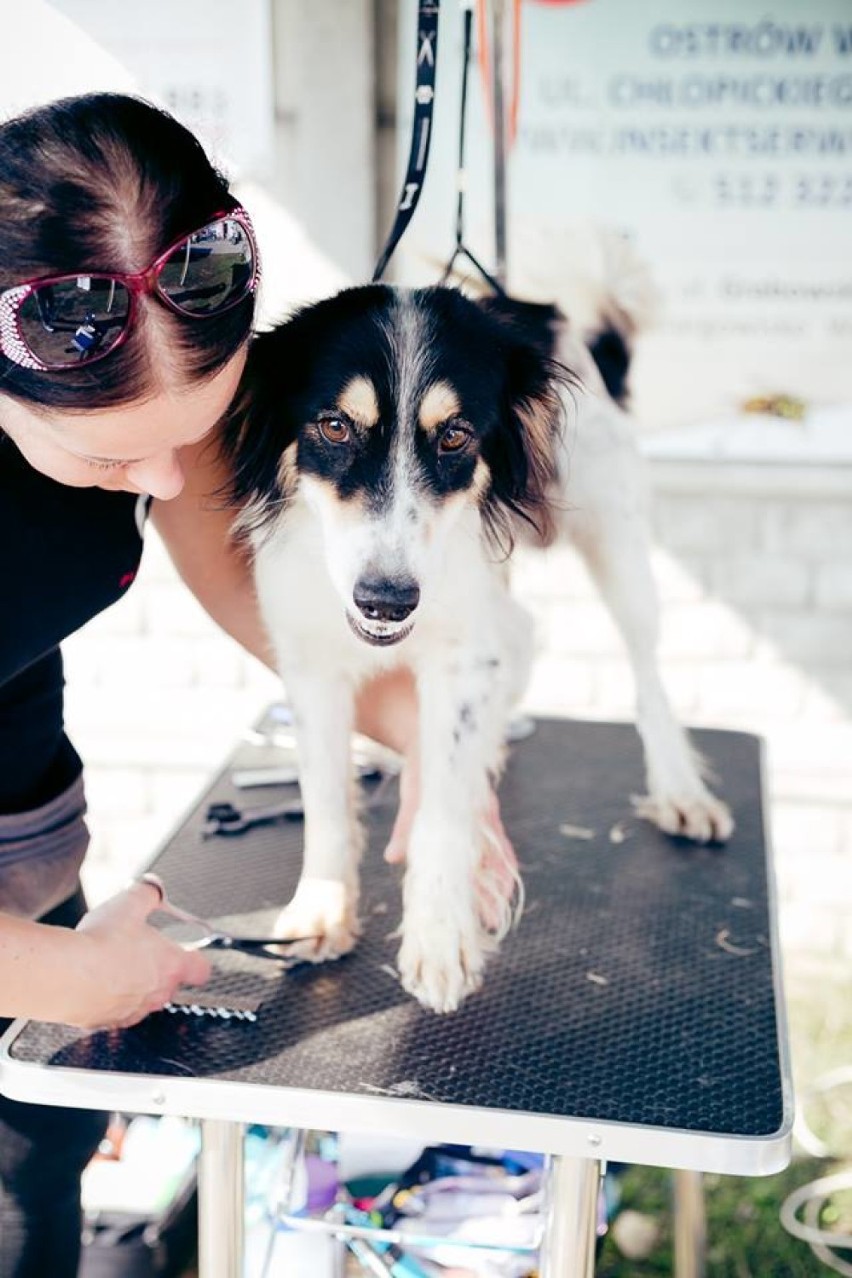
484,58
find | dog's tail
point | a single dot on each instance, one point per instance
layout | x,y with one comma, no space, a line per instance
598,280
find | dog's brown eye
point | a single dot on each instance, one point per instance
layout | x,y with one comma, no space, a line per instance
334,429
453,439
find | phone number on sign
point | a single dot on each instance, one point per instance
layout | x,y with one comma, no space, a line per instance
782,190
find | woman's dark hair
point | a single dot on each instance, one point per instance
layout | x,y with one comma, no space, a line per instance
105,182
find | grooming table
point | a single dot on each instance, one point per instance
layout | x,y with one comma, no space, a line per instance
634,1015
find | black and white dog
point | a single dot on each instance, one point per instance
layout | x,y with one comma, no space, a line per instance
387,448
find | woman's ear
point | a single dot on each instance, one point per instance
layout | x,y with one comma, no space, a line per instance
521,452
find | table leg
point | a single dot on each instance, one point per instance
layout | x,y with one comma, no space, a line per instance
571,1222
221,1200
690,1225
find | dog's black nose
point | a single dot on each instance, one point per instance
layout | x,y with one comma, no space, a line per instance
386,599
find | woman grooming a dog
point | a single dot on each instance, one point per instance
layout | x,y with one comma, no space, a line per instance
127,286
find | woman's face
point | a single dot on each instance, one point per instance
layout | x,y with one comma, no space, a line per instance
132,449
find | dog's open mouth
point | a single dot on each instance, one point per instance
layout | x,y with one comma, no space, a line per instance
382,634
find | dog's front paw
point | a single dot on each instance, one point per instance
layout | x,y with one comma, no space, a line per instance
440,962
699,815
321,919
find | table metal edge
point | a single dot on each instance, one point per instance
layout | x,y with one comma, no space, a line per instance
420,1119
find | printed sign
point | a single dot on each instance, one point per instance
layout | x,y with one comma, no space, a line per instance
717,135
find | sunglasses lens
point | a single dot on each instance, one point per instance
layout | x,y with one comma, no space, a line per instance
210,270
74,320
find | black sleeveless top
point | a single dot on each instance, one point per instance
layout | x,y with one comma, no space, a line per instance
65,555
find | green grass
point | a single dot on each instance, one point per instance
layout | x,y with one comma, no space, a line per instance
745,1238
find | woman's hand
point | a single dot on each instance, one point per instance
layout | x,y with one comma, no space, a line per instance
126,967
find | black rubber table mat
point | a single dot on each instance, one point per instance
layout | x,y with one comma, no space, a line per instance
638,987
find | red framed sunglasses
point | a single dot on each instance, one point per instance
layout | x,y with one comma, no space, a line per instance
63,321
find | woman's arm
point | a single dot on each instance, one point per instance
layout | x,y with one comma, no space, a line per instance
215,566
109,973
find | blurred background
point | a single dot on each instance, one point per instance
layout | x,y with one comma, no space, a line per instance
717,138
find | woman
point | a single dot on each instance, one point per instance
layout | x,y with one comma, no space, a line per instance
127,281
106,390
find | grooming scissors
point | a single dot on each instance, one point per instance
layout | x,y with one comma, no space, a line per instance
227,819
216,939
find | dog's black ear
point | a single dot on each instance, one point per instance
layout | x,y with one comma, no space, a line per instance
521,452
536,323
258,429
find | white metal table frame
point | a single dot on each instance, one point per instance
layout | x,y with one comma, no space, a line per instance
569,1241
578,1148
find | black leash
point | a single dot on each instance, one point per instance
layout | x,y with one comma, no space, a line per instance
421,129
421,138
461,249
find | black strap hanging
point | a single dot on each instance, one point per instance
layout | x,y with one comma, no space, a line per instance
421,129
461,249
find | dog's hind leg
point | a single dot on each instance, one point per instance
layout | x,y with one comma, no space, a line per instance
325,904
612,537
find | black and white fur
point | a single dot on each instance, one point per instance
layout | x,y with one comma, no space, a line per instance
388,447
